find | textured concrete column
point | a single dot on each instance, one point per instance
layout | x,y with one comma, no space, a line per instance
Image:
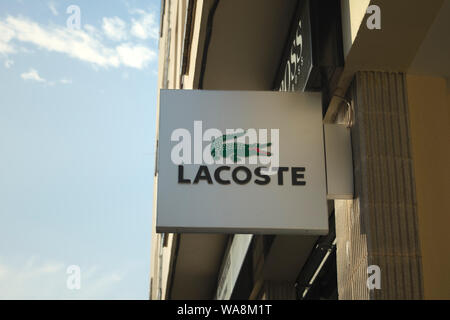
351,245
380,226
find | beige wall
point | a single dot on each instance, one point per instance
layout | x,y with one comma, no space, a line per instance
429,103
170,56
169,50
352,13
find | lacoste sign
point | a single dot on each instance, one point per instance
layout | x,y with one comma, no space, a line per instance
232,148
240,162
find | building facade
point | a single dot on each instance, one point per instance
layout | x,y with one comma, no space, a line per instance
383,70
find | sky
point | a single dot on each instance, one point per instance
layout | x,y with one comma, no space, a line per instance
77,133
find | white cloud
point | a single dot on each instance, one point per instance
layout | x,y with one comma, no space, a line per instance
38,279
6,35
93,31
32,75
135,56
145,26
50,268
66,81
9,63
114,28
3,271
53,9
83,45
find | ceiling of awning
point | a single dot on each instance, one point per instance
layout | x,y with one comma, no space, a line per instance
197,262
247,42
432,58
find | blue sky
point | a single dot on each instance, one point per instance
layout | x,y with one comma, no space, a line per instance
77,132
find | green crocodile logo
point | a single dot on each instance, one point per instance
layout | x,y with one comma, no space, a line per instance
221,147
